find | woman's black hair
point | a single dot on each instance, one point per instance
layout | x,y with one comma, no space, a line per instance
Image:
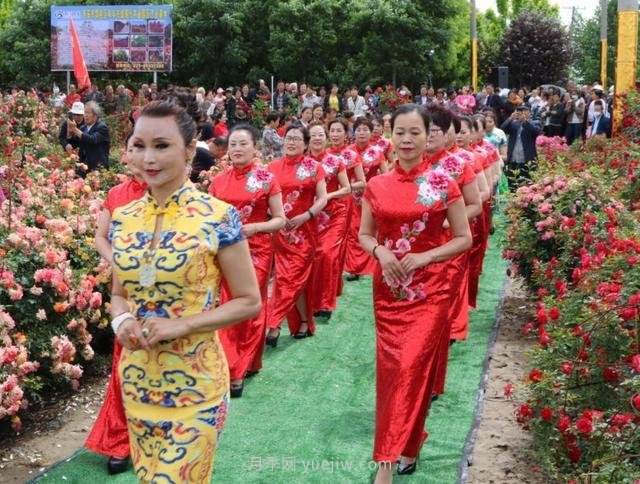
363,121
341,122
455,120
169,108
467,120
306,108
410,108
479,118
302,129
249,128
272,116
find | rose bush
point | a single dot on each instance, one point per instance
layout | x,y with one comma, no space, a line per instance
574,235
51,280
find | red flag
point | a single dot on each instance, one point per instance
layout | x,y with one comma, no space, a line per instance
79,67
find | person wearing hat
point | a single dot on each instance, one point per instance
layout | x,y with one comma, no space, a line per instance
66,138
521,151
230,106
598,94
93,139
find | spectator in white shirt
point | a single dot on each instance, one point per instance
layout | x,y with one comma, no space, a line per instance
356,103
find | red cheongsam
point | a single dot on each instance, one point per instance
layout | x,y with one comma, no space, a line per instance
351,159
248,189
109,435
294,249
332,232
411,318
384,144
480,234
358,262
462,171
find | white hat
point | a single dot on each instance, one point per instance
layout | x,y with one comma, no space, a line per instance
77,108
598,87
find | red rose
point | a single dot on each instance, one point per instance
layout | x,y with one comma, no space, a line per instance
507,390
545,339
584,425
526,329
566,367
611,374
554,313
635,363
535,376
574,453
635,401
563,423
546,414
542,316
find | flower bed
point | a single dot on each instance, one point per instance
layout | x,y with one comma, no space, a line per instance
51,280
574,235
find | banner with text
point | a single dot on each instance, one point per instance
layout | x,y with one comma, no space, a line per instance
114,38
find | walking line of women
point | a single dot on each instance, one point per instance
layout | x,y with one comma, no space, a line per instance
413,211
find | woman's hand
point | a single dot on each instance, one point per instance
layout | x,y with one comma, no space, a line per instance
391,267
411,262
297,221
130,335
163,329
249,230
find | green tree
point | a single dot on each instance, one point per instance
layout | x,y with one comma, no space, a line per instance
537,50
586,40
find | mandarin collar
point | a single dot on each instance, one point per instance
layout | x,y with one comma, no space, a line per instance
293,160
242,171
173,201
433,159
411,174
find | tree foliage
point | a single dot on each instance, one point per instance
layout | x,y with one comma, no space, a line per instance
586,41
225,42
537,50
492,27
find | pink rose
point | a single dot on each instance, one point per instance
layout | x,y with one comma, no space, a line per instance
418,226
402,247
439,180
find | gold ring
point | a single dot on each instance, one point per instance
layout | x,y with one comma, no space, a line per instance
145,332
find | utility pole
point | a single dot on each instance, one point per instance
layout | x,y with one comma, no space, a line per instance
474,47
603,43
626,55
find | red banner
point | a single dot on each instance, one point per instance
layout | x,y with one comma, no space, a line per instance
79,67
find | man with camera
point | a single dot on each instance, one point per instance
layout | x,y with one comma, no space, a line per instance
66,137
93,139
521,151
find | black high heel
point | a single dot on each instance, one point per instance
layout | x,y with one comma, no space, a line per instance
407,469
116,465
236,390
272,340
303,334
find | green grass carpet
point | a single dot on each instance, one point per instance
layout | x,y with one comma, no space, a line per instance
308,417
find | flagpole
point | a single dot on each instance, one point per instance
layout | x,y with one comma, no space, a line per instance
68,81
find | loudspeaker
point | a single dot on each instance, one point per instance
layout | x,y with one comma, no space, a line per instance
499,76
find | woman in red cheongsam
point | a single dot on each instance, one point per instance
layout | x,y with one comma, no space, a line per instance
332,224
481,235
338,130
255,192
462,171
304,194
403,213
358,262
109,435
379,140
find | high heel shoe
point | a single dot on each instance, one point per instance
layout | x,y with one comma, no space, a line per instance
236,390
303,334
272,340
407,469
116,465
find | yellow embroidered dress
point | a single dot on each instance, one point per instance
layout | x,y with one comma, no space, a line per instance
175,394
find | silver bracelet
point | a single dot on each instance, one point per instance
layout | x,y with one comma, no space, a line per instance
119,319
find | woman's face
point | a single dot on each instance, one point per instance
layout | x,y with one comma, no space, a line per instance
386,123
318,139
463,138
294,142
363,135
223,117
409,136
241,147
245,90
377,128
436,139
337,135
160,153
490,123
318,112
306,115
334,90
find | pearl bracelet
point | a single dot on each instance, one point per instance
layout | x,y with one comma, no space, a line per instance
119,319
